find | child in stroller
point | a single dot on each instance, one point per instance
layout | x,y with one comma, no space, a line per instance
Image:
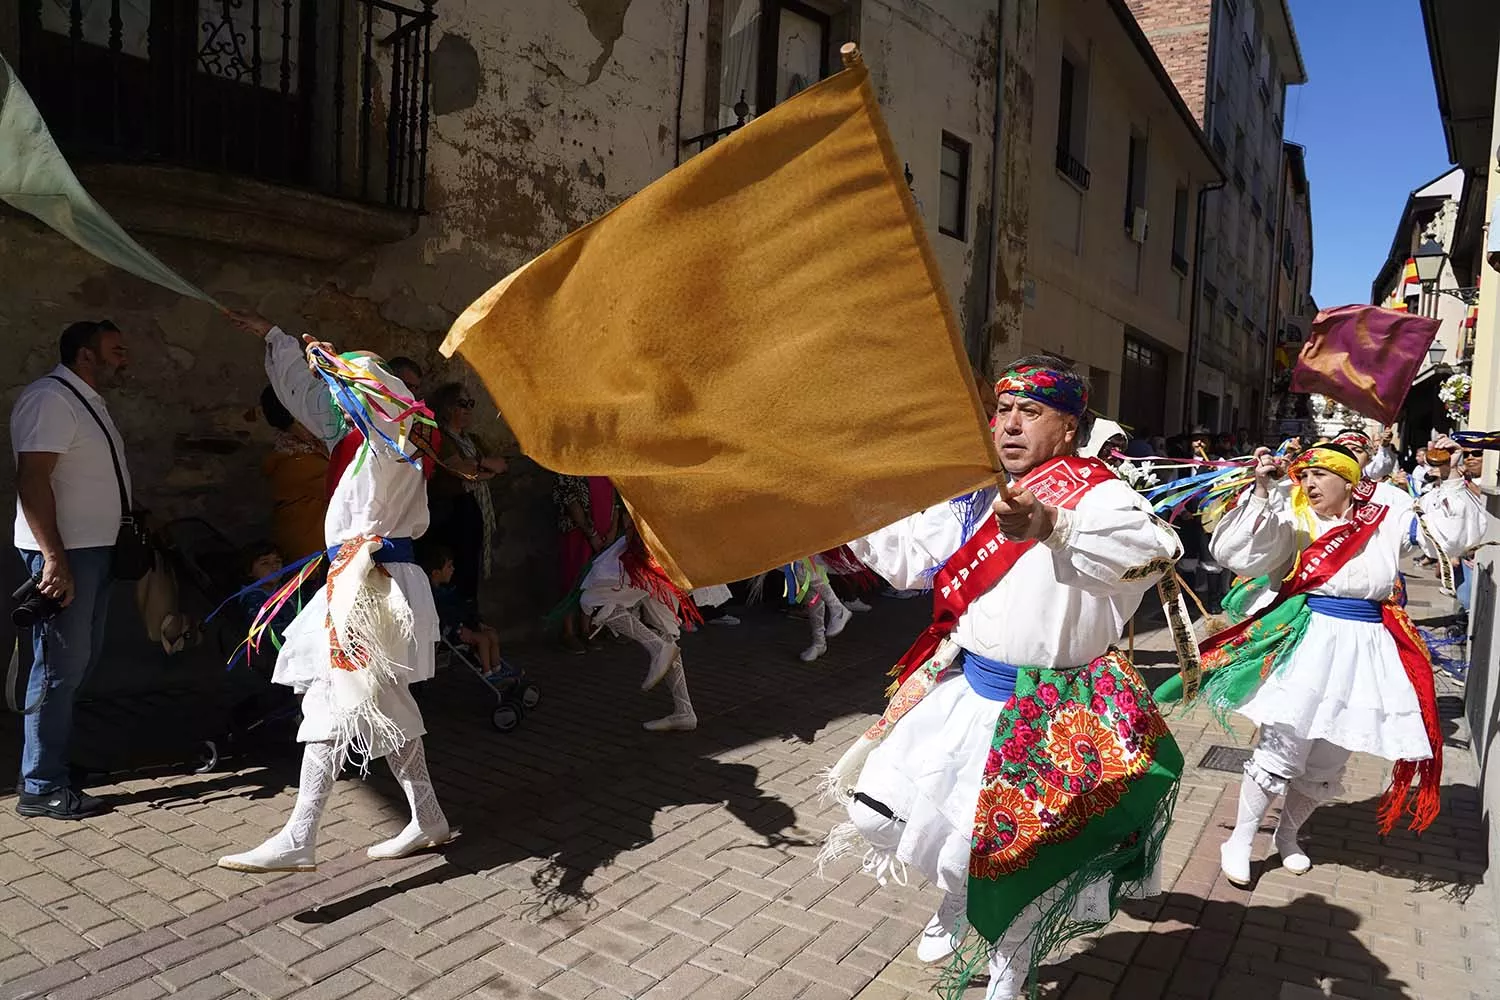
466,636
261,561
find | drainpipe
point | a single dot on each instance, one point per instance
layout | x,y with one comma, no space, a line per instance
1210,111
992,280
687,27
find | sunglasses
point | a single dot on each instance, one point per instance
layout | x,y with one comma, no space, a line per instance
467,404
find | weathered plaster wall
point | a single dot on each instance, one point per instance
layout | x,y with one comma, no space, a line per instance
545,116
934,72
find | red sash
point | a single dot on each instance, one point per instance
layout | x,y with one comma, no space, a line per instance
983,560
1317,563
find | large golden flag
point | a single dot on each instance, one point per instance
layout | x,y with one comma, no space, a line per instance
757,349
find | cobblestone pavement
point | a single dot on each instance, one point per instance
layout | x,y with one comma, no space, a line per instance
600,861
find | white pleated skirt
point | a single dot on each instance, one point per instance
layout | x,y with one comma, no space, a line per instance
1344,683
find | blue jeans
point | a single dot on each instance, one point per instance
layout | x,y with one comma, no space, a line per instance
65,650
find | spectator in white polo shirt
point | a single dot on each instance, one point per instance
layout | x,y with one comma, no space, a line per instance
67,519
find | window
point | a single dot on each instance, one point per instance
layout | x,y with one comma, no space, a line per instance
1135,180
953,194
1072,120
1180,231
764,75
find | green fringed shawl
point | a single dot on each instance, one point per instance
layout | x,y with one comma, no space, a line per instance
1234,671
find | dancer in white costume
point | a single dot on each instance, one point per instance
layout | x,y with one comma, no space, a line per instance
1347,671
354,676
973,776
625,593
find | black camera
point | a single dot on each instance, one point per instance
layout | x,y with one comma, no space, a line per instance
32,606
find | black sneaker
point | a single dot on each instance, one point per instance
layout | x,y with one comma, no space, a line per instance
63,803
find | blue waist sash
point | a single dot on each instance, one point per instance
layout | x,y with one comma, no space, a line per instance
989,678
392,550
1349,609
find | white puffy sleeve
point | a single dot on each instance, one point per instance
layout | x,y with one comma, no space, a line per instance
906,553
1455,518
1111,543
300,391
1255,538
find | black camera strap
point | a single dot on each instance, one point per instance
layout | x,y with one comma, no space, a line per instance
125,512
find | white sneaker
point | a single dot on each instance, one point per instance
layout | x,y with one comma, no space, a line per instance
838,617
272,856
411,840
814,651
944,932
681,722
857,605
724,620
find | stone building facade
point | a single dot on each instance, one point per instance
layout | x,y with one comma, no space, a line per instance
365,175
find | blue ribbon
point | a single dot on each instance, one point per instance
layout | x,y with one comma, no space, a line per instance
1349,609
392,550
347,402
990,679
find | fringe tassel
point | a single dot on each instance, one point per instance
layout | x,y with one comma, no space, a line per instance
842,841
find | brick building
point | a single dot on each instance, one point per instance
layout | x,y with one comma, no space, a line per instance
1232,61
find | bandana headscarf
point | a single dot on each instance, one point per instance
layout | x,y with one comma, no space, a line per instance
1355,438
1346,467
1060,390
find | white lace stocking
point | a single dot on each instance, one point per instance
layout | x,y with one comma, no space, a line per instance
409,765
316,784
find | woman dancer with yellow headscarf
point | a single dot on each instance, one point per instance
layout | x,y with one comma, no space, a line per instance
1327,664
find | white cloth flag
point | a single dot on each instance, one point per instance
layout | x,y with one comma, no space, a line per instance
35,179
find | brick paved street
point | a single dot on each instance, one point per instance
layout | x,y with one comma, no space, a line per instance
598,860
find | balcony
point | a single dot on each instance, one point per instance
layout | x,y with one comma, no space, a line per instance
1071,168
329,99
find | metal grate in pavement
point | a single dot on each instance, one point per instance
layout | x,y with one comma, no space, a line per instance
1220,758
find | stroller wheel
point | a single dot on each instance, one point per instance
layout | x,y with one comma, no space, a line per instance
208,758
507,717
530,695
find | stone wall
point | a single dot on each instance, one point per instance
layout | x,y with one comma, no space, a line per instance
544,117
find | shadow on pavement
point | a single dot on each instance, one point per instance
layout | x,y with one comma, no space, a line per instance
1228,951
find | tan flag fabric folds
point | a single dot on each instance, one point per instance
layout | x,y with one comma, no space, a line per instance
757,348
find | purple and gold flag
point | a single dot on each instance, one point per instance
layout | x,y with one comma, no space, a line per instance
1364,357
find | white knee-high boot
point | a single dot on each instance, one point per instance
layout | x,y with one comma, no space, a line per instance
293,849
1295,811
626,625
682,718
838,615
1234,855
817,620
428,827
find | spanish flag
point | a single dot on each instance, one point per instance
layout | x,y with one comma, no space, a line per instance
757,348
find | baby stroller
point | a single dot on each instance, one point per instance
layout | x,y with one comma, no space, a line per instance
206,562
514,692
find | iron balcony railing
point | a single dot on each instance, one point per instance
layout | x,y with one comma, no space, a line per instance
1072,168
327,95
